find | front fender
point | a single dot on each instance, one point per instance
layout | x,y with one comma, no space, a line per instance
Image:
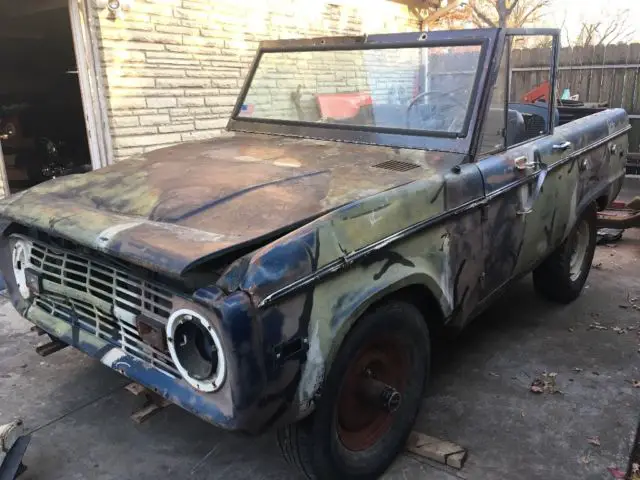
337,304
309,288
350,312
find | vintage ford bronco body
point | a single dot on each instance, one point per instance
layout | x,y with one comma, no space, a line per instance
290,275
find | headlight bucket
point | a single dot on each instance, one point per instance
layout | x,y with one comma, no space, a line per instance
196,350
20,255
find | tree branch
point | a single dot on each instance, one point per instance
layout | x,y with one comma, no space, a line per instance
483,19
508,10
599,33
533,10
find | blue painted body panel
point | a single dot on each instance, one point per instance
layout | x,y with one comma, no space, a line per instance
177,391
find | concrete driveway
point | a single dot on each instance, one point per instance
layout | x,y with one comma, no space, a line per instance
479,397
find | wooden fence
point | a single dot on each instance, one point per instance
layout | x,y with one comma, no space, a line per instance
608,73
598,74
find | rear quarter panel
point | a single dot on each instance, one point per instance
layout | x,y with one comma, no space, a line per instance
587,172
598,161
592,171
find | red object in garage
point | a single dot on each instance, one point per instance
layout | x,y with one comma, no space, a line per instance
342,105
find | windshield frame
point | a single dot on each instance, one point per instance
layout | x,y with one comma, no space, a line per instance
457,142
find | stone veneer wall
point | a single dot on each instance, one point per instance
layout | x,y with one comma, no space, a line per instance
172,68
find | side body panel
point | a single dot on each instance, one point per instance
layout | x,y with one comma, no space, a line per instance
575,177
346,264
359,264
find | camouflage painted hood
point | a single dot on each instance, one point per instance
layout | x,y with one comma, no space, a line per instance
171,207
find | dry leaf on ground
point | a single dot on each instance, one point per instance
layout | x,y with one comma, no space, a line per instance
597,326
537,386
594,441
585,458
545,384
616,472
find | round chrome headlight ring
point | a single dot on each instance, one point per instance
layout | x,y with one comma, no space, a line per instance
196,350
20,254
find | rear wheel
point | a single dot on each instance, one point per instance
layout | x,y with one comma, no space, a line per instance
562,276
369,400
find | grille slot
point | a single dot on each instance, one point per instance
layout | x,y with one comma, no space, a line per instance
102,300
396,165
105,283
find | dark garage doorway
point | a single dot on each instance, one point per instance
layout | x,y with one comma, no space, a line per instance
41,114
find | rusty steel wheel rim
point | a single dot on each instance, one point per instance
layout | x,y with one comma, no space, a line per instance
371,392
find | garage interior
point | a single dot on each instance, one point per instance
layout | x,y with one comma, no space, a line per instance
41,115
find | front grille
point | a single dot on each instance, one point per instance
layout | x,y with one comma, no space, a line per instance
102,299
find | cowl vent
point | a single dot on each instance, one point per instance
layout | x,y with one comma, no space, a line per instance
396,165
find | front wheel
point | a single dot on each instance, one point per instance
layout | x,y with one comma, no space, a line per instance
563,274
369,400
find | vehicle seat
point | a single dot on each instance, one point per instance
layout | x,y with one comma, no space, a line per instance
516,128
536,117
494,136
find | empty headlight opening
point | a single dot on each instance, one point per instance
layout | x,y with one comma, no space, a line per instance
20,255
196,350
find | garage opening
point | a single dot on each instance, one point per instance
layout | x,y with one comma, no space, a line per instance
42,127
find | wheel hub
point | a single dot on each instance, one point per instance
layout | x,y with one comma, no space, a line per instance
371,393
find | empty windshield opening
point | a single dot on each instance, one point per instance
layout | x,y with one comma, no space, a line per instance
423,89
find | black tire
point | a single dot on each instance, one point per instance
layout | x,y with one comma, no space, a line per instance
316,445
557,278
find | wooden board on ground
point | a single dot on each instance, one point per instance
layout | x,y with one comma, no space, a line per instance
153,404
441,451
148,409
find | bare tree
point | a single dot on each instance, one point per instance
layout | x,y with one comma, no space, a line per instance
616,29
440,13
507,13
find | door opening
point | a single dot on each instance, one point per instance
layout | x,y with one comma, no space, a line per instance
41,109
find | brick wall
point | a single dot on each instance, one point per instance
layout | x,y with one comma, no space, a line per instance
173,68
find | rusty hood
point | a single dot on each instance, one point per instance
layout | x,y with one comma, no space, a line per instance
172,208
